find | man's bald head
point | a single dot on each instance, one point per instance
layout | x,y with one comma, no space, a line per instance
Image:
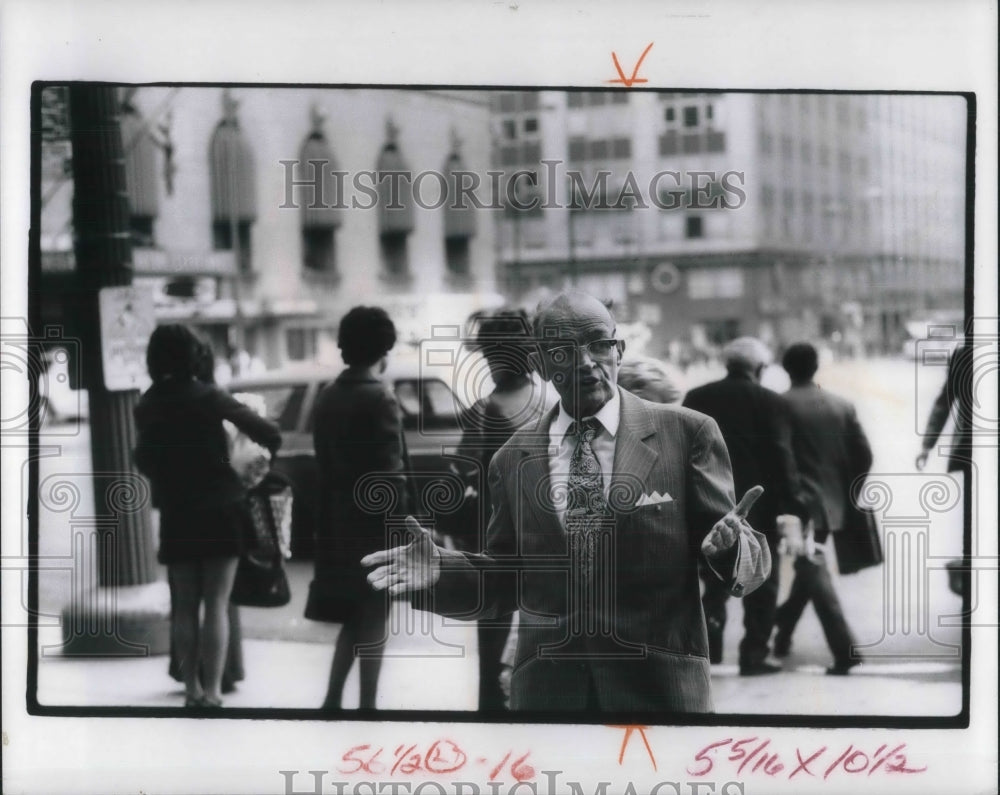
557,316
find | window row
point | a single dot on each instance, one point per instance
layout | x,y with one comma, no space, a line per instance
581,148
582,99
312,186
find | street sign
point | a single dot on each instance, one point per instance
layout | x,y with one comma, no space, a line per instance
158,262
127,321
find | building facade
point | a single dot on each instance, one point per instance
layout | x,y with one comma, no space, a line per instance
260,215
710,215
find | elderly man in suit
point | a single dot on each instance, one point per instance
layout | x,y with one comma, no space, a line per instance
755,426
599,517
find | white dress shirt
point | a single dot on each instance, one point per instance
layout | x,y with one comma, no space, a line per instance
562,445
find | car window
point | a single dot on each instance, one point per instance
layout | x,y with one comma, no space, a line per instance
408,398
441,403
284,403
426,404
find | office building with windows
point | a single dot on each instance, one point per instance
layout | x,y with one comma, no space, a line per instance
710,215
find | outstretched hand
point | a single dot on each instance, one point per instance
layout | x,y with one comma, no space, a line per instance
728,529
412,567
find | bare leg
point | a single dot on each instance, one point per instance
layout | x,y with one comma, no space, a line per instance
217,583
371,645
186,594
343,659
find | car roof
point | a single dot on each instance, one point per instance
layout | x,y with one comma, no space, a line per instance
307,373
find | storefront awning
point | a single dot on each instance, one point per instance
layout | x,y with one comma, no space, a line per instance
321,205
234,187
395,191
459,211
140,164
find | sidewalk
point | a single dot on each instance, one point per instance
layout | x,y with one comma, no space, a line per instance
431,664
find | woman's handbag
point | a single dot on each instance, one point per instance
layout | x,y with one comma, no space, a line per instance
857,545
248,459
260,576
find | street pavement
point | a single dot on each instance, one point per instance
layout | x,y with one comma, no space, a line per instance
902,613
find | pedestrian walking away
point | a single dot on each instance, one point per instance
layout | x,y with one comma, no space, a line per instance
834,456
755,426
358,434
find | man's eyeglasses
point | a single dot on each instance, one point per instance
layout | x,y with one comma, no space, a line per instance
599,350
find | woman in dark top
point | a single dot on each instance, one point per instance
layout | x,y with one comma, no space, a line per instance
182,449
357,432
232,670
517,400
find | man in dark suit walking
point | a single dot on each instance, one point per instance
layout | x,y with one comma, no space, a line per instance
599,517
833,454
954,400
755,426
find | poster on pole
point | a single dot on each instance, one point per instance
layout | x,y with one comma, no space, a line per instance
127,320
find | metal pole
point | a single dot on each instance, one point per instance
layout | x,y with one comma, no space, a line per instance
96,623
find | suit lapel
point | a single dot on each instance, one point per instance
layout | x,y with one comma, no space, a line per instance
534,480
634,458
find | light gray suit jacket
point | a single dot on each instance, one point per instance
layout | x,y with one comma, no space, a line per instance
631,636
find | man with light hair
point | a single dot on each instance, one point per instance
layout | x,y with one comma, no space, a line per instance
755,426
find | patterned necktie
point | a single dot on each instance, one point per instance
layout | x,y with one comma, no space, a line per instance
586,505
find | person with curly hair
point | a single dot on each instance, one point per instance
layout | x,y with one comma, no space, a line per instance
204,523
358,432
517,400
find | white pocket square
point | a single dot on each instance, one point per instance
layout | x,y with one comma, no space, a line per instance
653,499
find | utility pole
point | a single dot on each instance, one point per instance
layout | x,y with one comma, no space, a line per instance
126,611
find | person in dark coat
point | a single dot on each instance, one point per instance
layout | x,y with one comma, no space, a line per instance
204,524
362,463
956,395
517,400
232,670
755,425
833,455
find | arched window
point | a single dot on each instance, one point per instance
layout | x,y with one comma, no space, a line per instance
321,213
395,203
234,187
139,151
459,215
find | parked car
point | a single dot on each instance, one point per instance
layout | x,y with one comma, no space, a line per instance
431,423
59,402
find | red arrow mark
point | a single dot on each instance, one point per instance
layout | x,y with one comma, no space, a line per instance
628,733
629,81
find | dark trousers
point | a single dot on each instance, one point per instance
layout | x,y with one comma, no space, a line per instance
812,583
492,638
759,611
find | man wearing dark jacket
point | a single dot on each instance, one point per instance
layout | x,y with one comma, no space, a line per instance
754,425
833,454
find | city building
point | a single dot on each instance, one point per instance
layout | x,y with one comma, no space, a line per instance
710,215
261,214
